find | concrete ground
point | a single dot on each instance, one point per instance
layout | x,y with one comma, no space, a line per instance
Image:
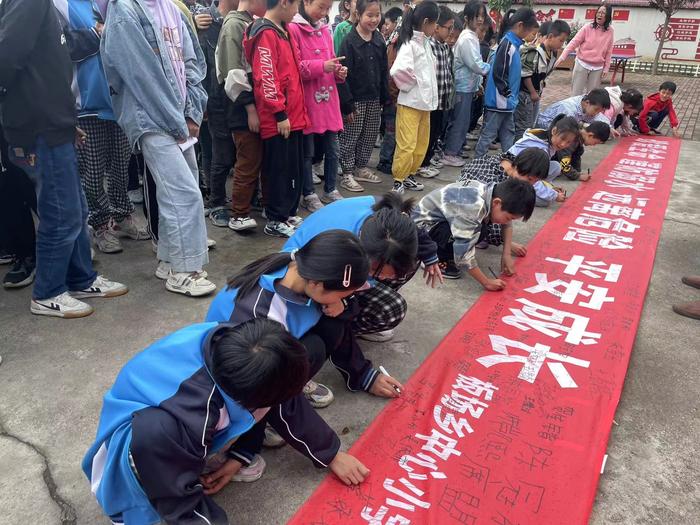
54,373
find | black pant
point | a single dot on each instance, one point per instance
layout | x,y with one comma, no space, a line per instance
436,118
442,235
150,203
283,171
17,200
204,156
223,155
477,111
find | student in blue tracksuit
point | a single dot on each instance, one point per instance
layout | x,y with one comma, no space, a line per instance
170,425
503,83
395,248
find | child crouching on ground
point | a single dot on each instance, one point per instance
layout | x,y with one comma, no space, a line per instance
530,165
570,158
657,107
457,216
584,108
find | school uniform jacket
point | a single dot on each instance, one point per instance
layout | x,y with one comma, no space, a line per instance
503,83
537,138
160,420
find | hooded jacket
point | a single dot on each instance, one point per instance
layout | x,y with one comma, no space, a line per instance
503,83
654,103
274,61
145,93
164,398
617,109
414,74
320,91
232,69
538,138
35,75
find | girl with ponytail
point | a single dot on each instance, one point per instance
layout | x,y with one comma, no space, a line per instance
394,248
503,83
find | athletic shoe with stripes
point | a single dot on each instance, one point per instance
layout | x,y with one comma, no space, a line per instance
318,395
191,284
100,287
410,183
63,305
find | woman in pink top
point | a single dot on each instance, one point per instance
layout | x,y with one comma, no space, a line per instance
320,70
593,46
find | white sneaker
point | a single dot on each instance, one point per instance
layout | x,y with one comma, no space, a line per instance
317,172
100,287
136,196
278,229
378,337
398,187
311,202
211,243
367,175
428,172
129,228
272,438
63,305
412,184
164,268
192,284
106,241
294,221
331,197
349,183
451,160
240,224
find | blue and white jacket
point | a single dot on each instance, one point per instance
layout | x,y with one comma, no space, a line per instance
145,93
89,82
537,138
503,83
350,214
298,314
160,421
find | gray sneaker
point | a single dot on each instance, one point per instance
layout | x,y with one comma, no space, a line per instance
130,228
106,241
331,197
219,216
311,202
278,229
318,395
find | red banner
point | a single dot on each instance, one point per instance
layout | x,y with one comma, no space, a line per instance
590,13
567,14
621,15
507,421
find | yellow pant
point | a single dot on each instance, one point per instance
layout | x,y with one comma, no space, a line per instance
412,137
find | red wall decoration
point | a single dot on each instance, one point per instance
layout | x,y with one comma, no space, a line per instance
567,14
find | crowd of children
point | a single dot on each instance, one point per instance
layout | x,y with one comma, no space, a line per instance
284,92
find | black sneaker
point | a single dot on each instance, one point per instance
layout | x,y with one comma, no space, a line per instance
21,274
449,270
410,183
6,257
384,167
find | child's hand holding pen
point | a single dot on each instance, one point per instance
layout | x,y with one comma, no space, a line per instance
385,385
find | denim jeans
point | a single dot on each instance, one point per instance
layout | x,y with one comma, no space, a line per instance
63,243
386,153
497,124
525,114
182,231
459,126
329,144
656,118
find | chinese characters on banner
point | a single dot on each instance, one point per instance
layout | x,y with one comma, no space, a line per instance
507,420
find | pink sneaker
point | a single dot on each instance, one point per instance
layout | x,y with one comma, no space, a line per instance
451,160
251,473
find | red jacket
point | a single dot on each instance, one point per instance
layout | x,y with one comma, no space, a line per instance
654,103
276,80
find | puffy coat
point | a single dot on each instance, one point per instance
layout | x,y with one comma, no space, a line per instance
414,74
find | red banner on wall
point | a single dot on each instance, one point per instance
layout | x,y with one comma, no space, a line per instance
590,13
567,14
507,421
621,15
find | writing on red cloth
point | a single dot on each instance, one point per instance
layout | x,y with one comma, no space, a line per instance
508,419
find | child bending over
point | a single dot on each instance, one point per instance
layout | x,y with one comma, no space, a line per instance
657,107
457,216
584,108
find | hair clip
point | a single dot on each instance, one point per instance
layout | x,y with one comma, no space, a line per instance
347,274
293,255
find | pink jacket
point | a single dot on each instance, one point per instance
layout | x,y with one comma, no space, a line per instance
592,45
320,91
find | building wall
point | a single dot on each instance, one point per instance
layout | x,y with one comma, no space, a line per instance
638,23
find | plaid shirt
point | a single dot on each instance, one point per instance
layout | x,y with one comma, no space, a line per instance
443,70
487,170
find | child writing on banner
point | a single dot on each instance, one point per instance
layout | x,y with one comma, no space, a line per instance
624,105
469,72
457,216
279,100
530,165
592,134
395,252
445,85
537,63
305,290
656,108
503,83
414,74
362,95
233,71
172,424
584,108
560,135
320,70
344,27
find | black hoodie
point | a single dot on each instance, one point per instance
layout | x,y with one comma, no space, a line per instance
35,75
